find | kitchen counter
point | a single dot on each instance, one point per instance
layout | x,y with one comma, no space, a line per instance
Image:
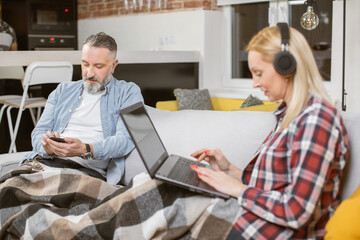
24,58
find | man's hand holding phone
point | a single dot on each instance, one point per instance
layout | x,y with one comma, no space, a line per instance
56,145
58,139
47,144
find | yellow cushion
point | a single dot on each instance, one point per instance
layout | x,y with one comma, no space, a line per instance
222,104
171,105
344,224
226,104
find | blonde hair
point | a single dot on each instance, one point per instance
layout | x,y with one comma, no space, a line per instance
306,78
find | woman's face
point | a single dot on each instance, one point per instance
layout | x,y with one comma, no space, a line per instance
265,77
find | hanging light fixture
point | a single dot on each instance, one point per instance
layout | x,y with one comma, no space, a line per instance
309,20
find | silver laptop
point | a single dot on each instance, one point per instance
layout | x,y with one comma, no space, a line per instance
171,168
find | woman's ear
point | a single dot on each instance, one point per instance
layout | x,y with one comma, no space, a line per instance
290,77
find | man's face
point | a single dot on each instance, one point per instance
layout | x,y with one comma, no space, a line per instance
97,66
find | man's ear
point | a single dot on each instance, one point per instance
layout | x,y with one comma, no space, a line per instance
115,63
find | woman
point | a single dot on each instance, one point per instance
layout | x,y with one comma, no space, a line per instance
291,187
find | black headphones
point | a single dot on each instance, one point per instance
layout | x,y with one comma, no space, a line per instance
284,61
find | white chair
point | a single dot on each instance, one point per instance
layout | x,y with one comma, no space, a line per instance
10,73
36,73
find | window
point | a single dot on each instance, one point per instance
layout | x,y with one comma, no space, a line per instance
319,38
243,16
247,17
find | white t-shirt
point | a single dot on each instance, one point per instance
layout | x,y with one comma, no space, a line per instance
85,124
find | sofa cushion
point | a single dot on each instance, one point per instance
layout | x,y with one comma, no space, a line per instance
251,101
344,223
170,105
238,134
193,99
266,107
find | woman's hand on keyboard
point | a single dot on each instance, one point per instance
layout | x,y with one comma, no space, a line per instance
214,157
220,180
217,161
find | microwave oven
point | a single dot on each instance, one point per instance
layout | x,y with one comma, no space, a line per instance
52,16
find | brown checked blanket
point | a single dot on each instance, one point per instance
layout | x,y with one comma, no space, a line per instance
40,202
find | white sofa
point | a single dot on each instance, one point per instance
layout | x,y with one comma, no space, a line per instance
237,133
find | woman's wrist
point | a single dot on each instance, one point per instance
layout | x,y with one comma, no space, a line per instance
234,172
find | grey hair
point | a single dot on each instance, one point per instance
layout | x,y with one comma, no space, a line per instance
101,39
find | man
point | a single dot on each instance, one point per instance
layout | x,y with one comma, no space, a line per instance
85,114
7,37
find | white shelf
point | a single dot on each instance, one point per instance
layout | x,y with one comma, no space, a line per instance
24,58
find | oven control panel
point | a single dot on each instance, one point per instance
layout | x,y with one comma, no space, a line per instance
52,42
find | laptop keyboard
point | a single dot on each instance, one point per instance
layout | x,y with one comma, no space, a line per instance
183,173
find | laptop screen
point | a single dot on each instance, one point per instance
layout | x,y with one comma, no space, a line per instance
144,136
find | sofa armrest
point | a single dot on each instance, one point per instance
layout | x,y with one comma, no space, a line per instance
9,161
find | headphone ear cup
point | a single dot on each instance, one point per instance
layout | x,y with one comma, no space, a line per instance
284,63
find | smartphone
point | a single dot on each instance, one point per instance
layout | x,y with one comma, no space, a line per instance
58,139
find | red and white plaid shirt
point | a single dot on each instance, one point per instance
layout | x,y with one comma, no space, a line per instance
294,179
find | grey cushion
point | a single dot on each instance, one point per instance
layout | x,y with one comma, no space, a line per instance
193,99
251,101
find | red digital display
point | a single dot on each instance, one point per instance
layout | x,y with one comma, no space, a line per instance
52,39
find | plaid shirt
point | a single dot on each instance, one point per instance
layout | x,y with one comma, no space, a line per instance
294,179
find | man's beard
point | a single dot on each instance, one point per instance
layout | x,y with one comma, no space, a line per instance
96,87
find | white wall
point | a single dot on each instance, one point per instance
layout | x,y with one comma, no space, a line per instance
161,31
352,55
196,30
205,31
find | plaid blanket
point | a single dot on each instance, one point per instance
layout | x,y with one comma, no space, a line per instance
40,202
